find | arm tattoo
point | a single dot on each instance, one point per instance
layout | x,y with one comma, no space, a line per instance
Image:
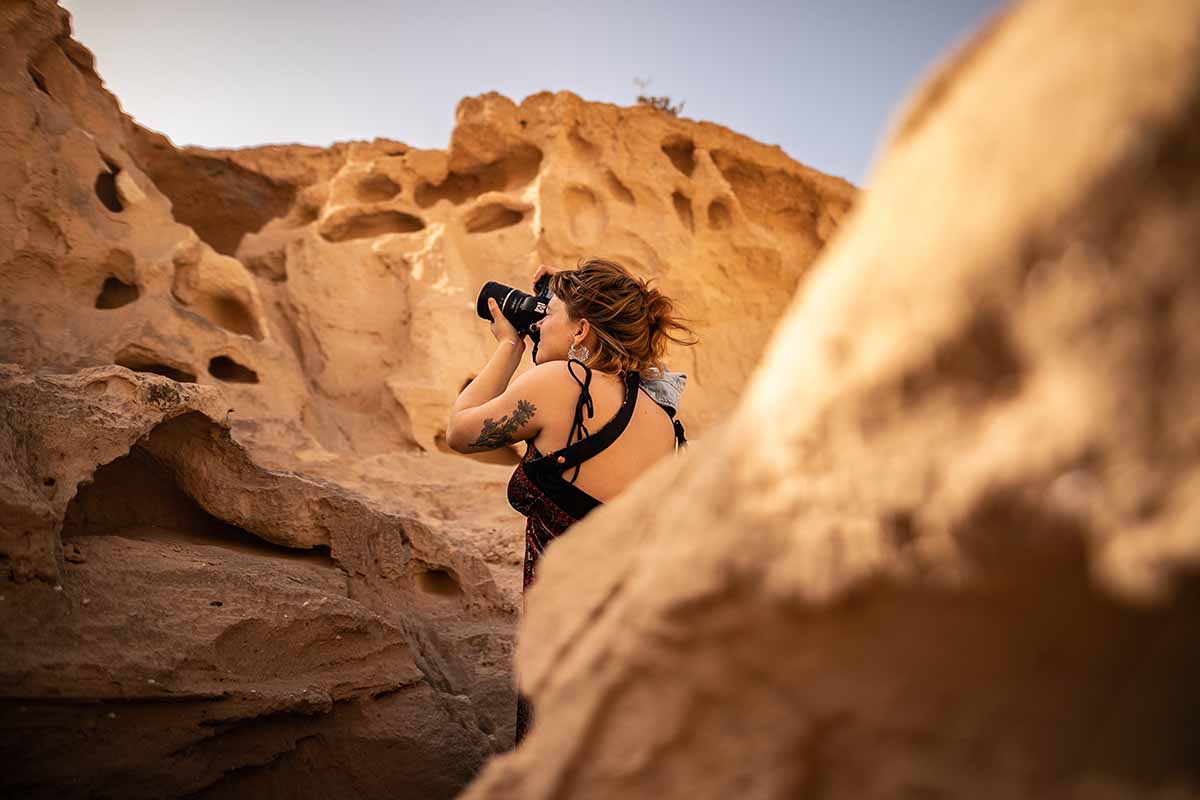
499,433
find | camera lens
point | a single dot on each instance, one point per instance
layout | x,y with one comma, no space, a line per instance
519,308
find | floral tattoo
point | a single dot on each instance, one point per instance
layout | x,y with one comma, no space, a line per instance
502,432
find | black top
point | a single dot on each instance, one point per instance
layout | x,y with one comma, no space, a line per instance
546,471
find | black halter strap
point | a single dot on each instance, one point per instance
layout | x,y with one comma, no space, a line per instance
680,438
578,429
581,445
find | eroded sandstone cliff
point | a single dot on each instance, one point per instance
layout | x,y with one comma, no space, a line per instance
237,559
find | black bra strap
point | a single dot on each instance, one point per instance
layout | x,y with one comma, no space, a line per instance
585,399
576,453
579,431
680,439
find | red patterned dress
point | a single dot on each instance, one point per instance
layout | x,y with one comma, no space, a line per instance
553,503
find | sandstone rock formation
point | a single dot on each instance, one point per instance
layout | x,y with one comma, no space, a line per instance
724,224
236,560
330,291
215,618
947,544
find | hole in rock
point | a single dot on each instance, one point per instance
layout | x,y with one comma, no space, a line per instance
233,316
618,189
218,198
683,208
438,582
116,293
772,196
38,80
106,188
139,362
513,171
224,368
719,216
137,496
369,224
48,482
376,188
132,491
492,217
682,153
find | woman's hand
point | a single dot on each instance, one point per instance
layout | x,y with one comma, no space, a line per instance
543,269
502,329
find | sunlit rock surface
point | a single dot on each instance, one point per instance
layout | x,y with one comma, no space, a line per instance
235,558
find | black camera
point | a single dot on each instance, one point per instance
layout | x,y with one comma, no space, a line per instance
523,310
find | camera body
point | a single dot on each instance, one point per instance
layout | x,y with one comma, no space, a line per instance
522,309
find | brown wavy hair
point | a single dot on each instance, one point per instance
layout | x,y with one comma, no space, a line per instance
633,322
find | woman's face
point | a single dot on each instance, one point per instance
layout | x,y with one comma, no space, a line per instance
557,331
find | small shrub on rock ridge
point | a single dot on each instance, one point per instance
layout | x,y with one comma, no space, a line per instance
662,103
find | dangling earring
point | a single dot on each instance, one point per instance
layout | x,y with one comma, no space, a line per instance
578,352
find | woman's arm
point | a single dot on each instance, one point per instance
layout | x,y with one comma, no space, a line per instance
493,379
479,423
489,414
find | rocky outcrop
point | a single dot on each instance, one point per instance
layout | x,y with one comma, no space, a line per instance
330,291
234,558
947,544
725,225
220,627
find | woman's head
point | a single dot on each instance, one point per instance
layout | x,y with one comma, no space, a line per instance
624,323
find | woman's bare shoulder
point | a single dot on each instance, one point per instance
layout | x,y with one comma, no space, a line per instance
548,372
551,377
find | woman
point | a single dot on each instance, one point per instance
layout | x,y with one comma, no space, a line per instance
603,329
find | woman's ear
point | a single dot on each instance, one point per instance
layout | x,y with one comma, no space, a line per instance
585,328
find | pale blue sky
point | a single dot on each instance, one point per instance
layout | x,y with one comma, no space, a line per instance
820,79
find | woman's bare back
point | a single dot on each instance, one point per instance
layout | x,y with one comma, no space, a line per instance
649,436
